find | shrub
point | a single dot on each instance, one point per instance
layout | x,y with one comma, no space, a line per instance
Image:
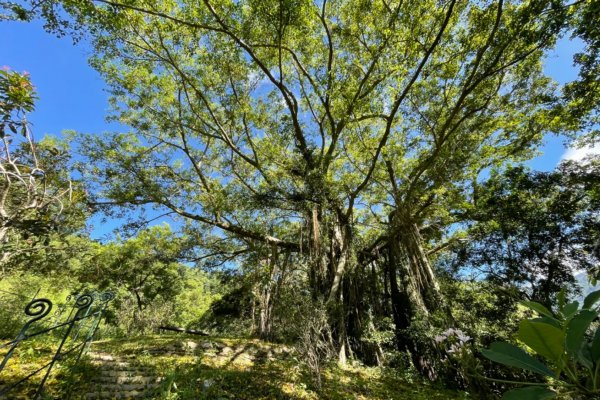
571,367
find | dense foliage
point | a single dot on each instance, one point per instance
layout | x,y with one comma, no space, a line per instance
342,175
559,336
535,229
35,189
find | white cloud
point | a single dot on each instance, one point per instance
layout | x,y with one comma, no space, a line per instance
578,154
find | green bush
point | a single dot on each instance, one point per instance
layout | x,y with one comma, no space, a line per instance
563,339
17,289
482,312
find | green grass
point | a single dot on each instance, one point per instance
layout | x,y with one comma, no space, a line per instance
28,357
221,368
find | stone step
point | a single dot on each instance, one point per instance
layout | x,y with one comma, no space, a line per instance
109,357
127,379
120,395
124,387
168,353
125,372
115,364
101,357
120,364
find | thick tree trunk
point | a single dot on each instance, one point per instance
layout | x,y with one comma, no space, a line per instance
340,254
412,242
414,288
265,322
405,237
338,298
317,254
268,292
329,247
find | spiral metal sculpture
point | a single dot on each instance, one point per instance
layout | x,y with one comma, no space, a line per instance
38,309
106,297
88,306
85,300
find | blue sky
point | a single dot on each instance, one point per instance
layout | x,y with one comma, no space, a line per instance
72,95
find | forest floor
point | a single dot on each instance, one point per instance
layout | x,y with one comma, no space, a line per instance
190,367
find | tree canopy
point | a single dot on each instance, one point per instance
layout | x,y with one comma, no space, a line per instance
348,138
535,230
337,130
36,191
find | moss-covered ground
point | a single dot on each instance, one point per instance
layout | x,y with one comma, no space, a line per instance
193,367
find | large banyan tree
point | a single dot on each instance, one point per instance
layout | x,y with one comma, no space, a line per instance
344,135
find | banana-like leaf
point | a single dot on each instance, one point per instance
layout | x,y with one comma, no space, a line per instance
545,339
591,299
549,321
596,346
537,307
562,299
584,356
513,356
570,309
576,330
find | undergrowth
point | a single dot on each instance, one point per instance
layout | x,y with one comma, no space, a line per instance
241,369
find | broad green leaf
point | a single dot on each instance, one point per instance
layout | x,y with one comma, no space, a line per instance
570,309
529,393
596,346
545,339
584,356
513,356
550,321
537,307
576,330
591,299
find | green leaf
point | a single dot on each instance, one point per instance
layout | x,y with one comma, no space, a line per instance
545,339
513,356
570,309
596,346
584,356
529,393
549,321
562,299
576,330
591,299
537,307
